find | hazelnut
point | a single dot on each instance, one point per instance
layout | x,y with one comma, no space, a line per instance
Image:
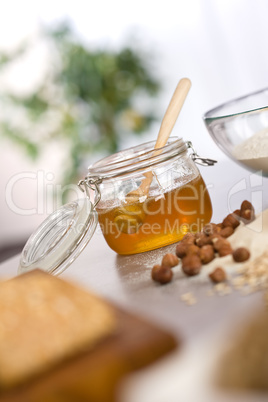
170,260
247,212
218,228
201,239
236,213
225,250
155,271
218,275
192,249
241,254
181,249
162,274
230,220
191,265
210,228
246,205
206,254
226,232
218,242
188,238
248,215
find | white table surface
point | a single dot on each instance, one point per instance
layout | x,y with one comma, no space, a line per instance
125,280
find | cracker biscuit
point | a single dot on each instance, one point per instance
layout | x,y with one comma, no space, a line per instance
44,320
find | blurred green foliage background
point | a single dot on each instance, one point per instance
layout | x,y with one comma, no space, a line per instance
88,99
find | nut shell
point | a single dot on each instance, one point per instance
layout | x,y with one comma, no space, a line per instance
246,205
181,249
247,215
230,220
236,213
241,254
201,239
191,265
192,249
161,274
155,271
188,238
226,232
164,275
225,250
218,275
170,260
247,212
219,242
207,254
210,228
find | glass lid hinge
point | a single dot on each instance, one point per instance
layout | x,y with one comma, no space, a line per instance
91,183
198,159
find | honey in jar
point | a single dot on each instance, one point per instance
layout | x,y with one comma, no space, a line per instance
177,200
156,222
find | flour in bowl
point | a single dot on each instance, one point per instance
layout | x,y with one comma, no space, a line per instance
253,152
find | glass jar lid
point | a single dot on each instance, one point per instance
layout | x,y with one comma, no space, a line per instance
59,240
143,156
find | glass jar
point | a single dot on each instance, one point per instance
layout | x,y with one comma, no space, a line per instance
147,198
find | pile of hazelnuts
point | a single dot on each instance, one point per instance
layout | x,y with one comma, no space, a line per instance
197,249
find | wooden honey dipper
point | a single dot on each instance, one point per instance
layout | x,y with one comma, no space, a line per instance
131,216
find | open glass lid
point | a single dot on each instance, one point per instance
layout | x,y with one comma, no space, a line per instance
60,238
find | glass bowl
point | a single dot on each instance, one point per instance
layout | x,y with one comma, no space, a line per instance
240,129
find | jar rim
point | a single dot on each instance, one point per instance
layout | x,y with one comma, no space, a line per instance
136,158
